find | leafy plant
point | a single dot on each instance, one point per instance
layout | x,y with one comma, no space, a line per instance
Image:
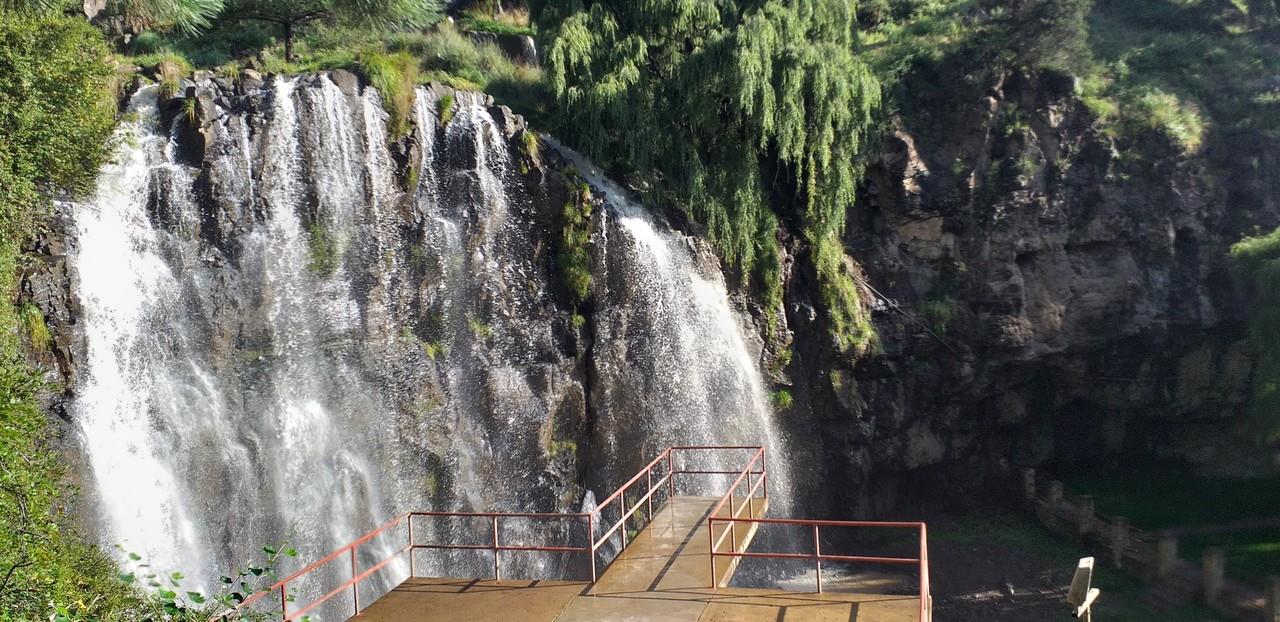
446,108
781,399
322,256
395,76
435,349
721,113
529,144
58,111
1255,267
939,312
191,111
36,328
481,329
573,256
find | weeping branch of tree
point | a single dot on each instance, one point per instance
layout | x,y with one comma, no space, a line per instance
744,115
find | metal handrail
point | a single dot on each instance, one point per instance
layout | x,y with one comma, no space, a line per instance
280,588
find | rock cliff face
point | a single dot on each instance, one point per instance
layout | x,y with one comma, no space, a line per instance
276,319
1040,299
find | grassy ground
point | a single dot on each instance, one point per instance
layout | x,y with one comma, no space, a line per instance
444,54
1163,496
1168,497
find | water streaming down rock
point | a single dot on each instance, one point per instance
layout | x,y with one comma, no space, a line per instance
673,356
285,343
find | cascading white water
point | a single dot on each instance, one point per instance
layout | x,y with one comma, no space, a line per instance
673,350
288,345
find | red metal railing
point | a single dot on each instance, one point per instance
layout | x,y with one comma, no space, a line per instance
754,475
734,517
666,477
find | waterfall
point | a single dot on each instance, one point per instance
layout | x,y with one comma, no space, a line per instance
312,332
672,353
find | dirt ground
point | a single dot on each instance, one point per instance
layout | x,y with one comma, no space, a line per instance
1001,567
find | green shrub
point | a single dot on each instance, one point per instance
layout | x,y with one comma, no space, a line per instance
1255,268
781,399
1154,110
58,111
481,329
446,108
529,144
36,328
851,327
573,256
939,312
322,256
503,23
395,76
146,42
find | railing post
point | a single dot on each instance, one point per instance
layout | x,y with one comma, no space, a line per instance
671,476
497,573
1084,516
649,491
591,544
284,602
412,571
711,536
355,585
764,468
1272,613
733,526
1166,555
1212,567
622,498
817,559
1119,540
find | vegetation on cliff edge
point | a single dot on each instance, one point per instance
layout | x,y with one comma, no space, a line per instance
741,115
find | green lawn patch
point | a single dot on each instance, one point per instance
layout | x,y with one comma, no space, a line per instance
1160,496
1250,555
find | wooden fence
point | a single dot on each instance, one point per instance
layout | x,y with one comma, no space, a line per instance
1150,556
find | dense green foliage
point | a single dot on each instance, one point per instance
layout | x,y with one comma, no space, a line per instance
573,250
186,15
443,54
395,76
1256,268
54,120
740,114
374,15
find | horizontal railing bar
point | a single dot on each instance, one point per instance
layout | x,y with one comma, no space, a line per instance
595,545
293,615
824,557
275,587
734,486
820,523
579,515
621,489
692,447
680,472
505,547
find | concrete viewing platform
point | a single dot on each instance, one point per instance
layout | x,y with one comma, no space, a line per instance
662,574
